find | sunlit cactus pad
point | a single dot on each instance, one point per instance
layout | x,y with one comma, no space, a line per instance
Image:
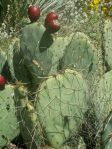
81,54
103,97
108,41
62,101
103,108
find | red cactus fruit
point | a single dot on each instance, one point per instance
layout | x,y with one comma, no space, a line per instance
51,16
2,82
53,26
52,23
33,13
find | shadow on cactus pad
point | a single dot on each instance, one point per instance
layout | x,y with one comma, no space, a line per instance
44,43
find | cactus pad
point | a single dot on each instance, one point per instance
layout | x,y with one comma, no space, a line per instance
102,98
81,55
9,126
61,103
103,108
108,41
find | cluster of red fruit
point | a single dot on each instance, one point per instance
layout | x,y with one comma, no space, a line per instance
51,20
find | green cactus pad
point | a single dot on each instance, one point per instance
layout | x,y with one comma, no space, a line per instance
102,100
9,126
102,97
103,108
34,45
108,41
81,54
61,103
17,67
58,48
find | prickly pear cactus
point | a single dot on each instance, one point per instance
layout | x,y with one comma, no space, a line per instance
102,97
61,102
40,51
81,55
108,41
17,67
103,108
28,120
34,47
9,126
58,48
